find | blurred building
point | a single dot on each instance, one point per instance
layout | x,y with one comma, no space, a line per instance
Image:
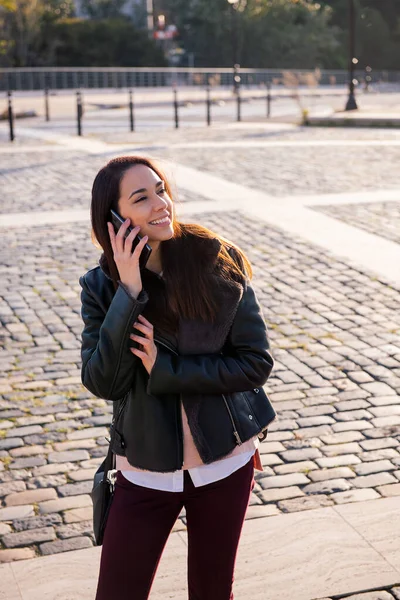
131,8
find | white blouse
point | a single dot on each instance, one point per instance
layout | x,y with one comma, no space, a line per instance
202,475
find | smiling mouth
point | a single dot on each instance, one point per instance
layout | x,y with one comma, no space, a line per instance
164,221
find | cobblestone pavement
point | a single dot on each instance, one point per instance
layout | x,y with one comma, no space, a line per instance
380,218
281,171
37,181
383,594
334,334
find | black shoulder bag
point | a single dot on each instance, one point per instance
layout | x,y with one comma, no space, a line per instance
103,490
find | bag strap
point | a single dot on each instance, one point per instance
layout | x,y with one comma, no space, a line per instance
110,460
109,463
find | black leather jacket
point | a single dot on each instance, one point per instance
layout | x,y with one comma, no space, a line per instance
221,388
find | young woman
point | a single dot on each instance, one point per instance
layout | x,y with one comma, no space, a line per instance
181,349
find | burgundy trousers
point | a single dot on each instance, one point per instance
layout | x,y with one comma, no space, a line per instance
139,524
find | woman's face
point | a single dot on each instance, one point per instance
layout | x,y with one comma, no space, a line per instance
143,199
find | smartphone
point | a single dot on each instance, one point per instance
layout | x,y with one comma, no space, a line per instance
117,221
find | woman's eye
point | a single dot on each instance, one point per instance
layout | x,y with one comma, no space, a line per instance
162,191
143,198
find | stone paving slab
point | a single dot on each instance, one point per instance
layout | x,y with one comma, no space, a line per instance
380,218
386,593
9,589
279,557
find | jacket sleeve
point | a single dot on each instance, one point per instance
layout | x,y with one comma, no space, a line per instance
247,364
108,366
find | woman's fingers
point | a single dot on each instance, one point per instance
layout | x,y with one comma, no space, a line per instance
147,329
116,239
142,340
111,233
148,351
141,327
138,248
142,318
119,238
145,321
138,353
129,240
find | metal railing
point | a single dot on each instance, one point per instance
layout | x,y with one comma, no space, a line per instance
67,78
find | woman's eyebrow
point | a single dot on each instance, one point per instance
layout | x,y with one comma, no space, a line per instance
137,192
144,189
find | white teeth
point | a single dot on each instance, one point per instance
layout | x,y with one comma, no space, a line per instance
159,221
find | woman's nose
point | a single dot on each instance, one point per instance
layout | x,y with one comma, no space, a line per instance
160,203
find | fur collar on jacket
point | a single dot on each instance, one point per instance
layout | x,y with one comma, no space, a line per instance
195,336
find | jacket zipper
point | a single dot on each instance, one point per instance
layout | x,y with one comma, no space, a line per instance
235,431
180,458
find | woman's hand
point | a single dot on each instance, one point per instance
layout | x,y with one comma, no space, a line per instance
127,261
149,353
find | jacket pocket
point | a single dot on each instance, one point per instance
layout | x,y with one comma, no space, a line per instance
260,406
252,412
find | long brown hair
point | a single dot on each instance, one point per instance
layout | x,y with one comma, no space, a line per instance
187,279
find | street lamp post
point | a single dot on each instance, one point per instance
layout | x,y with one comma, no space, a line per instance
149,17
235,45
351,101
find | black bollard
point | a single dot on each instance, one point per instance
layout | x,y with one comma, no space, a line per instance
46,104
131,119
268,100
208,103
10,116
239,102
79,111
368,78
176,109
236,78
